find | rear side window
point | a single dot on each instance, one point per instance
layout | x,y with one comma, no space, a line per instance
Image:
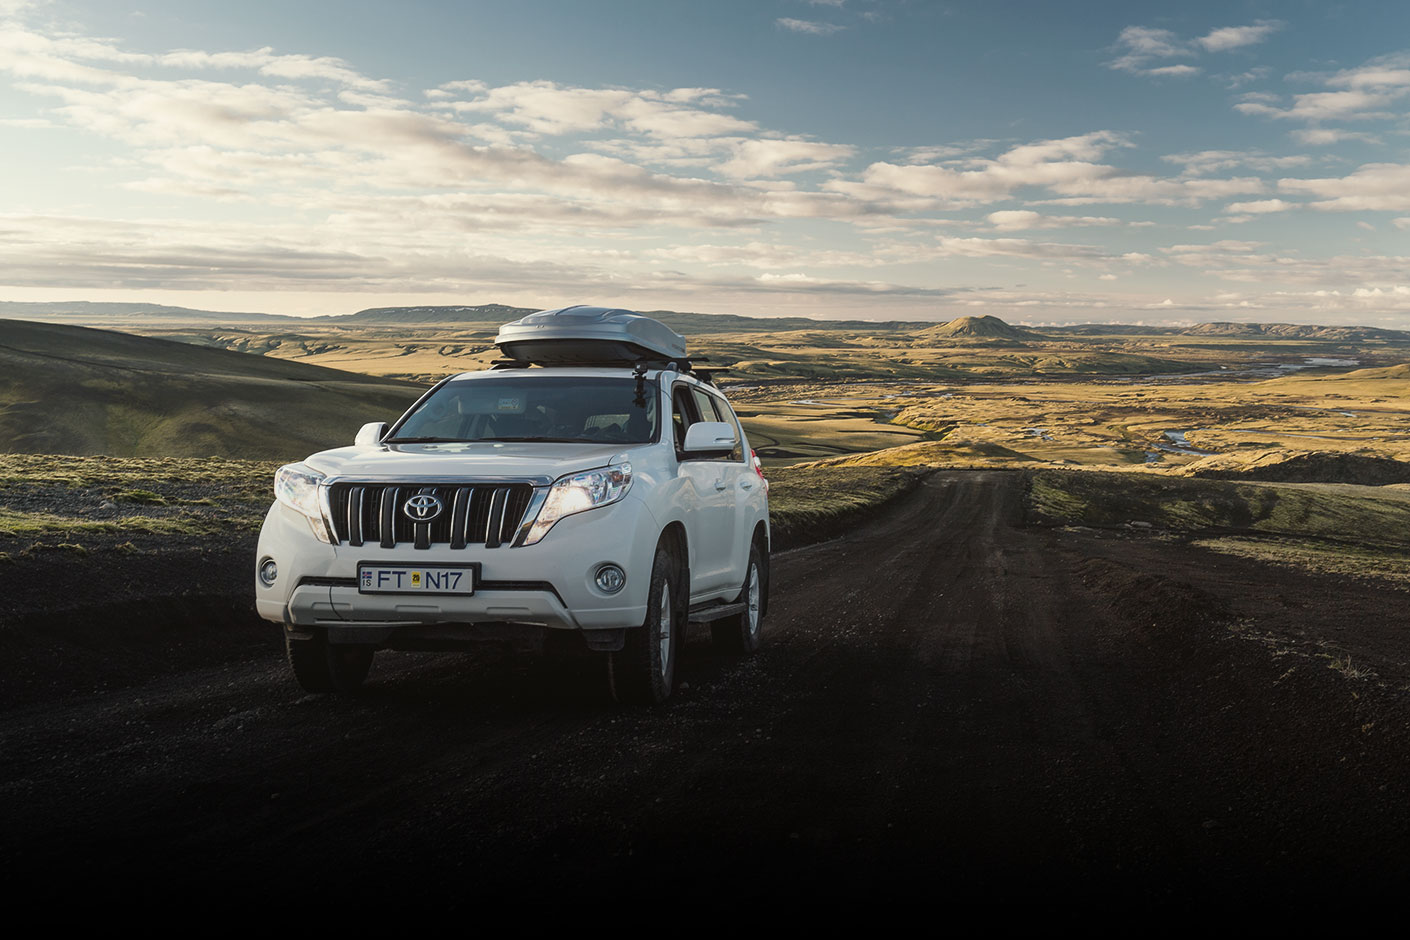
711,408
728,417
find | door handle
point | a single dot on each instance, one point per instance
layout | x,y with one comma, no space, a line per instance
720,484
746,484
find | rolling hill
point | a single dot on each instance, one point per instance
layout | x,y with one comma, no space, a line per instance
75,390
985,327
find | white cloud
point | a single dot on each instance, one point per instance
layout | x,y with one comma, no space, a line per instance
1015,220
1375,186
757,158
1235,37
809,27
1203,162
1387,71
1141,47
1356,104
547,108
774,256
1049,163
1373,91
1261,206
1142,43
1326,136
950,247
1153,190
1222,246
941,152
1243,78
64,58
1174,71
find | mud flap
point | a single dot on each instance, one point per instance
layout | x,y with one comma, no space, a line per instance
606,641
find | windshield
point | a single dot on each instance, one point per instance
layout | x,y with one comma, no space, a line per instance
538,407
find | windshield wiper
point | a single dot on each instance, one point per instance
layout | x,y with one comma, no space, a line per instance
425,440
482,440
539,440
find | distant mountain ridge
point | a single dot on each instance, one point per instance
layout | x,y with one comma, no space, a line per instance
696,323
117,315
1294,331
83,310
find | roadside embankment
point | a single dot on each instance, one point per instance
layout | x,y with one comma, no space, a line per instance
1281,466
1351,531
812,502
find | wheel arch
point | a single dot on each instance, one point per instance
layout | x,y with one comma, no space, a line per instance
761,539
674,539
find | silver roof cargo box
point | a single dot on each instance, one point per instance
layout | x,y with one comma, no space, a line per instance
589,336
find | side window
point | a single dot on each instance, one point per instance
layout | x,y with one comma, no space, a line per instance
726,414
704,404
710,408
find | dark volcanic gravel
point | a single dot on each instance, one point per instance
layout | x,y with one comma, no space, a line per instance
949,707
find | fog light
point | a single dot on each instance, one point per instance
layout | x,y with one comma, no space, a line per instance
610,579
268,572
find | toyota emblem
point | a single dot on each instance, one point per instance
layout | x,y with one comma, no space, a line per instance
423,507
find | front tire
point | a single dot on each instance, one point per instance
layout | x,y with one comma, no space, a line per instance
740,633
644,671
320,666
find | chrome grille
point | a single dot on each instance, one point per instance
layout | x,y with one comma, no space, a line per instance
371,514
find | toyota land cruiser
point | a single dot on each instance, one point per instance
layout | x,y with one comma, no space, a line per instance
594,484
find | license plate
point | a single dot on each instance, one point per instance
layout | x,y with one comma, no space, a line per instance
416,579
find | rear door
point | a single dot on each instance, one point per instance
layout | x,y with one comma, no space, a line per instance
711,494
746,492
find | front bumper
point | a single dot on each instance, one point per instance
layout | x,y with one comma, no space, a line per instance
548,584
343,605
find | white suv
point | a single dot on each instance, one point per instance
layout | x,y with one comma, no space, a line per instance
597,484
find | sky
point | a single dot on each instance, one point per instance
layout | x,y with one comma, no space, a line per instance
1042,162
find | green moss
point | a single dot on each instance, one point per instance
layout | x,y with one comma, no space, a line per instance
144,497
236,477
1342,560
14,523
1326,511
804,496
1052,502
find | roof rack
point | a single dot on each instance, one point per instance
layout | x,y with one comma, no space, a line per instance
682,365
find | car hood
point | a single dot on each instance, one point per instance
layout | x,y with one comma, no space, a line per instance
469,461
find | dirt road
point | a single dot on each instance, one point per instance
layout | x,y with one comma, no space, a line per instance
948,706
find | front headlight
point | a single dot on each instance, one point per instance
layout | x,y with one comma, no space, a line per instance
296,486
580,492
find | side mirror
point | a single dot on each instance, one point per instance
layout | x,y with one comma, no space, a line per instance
370,434
709,437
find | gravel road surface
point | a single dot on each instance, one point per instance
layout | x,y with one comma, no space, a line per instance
948,706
